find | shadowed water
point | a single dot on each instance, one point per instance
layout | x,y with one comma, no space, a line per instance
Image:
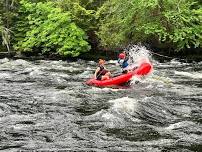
45,105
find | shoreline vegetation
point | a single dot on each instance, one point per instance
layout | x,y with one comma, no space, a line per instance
66,29
161,56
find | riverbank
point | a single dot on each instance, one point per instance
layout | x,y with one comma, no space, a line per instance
92,55
162,56
189,55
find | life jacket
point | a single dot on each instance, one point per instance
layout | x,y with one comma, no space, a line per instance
123,63
100,71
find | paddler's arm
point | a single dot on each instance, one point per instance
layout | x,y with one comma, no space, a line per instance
126,59
96,71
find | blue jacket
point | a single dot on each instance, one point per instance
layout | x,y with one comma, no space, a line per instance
123,63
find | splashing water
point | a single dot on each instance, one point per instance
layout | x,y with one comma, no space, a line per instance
138,54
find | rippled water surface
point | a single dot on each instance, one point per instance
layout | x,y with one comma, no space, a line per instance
45,105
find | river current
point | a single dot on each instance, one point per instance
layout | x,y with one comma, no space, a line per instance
46,106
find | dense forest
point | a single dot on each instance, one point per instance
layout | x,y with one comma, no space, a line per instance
70,28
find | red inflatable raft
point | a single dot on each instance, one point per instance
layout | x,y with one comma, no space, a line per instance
142,70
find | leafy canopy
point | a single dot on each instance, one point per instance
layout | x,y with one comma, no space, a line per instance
46,27
173,22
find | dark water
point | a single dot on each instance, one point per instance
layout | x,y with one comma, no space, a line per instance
46,106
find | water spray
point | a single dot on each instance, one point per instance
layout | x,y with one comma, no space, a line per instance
137,54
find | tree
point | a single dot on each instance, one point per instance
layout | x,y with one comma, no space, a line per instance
45,27
83,13
175,23
7,14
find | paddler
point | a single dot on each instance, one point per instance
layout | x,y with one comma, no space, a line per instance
123,62
101,73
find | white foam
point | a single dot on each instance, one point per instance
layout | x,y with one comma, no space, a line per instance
135,79
5,76
85,74
124,104
35,72
174,61
21,62
194,75
161,79
179,125
183,90
92,63
112,61
95,90
138,54
108,116
56,62
88,68
4,60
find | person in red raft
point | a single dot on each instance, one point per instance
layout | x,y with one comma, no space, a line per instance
101,73
123,62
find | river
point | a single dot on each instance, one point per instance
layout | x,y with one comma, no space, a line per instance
45,105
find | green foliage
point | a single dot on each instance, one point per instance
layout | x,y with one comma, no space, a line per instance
60,26
173,22
7,14
1,25
5,36
46,27
82,13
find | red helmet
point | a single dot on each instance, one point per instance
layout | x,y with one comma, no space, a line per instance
122,55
